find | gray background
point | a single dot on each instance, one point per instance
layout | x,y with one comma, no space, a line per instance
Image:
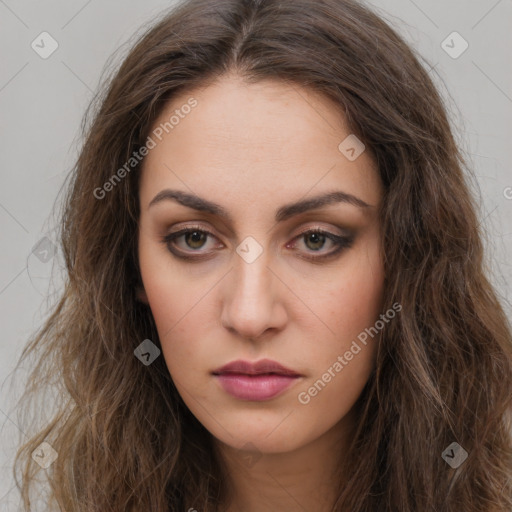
42,102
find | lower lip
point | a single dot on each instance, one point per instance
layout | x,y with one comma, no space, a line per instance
254,387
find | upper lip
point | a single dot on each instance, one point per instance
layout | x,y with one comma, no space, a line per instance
256,368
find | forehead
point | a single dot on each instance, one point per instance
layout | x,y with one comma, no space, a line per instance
254,143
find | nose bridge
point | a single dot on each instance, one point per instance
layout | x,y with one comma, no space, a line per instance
252,280
250,305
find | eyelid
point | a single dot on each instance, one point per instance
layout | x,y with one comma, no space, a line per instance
320,229
187,229
341,241
343,232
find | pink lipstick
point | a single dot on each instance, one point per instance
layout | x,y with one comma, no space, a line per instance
257,381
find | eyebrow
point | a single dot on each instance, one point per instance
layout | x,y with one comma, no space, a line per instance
283,213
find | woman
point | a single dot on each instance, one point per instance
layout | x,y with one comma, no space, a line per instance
276,297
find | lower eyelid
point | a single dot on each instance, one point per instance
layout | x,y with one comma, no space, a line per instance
172,237
340,242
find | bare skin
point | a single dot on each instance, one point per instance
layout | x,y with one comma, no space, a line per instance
253,148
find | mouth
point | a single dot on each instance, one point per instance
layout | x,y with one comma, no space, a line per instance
257,381
261,367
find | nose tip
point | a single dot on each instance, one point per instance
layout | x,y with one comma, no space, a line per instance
251,305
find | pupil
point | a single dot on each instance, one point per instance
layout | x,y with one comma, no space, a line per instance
196,236
317,238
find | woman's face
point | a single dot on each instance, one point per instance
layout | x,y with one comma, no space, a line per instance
244,169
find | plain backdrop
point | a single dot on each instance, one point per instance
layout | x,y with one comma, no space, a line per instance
42,101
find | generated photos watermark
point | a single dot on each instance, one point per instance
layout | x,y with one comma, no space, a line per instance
304,397
151,143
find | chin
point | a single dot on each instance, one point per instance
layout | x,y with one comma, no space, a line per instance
262,438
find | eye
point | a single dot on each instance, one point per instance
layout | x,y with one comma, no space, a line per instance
315,240
194,238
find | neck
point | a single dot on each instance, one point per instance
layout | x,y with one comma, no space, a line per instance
307,478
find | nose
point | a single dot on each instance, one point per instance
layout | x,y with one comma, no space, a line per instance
252,304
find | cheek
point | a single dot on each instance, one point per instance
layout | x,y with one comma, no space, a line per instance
352,301
353,306
358,300
179,306
168,293
178,312
178,317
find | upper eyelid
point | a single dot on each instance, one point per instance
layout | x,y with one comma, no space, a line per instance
185,229
341,243
313,225
332,237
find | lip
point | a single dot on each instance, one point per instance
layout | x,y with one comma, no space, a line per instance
258,381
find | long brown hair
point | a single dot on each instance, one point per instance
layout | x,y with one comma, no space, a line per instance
124,438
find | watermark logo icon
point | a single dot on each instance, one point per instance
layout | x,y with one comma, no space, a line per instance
44,45
351,147
454,455
454,45
44,455
44,250
249,250
146,352
252,456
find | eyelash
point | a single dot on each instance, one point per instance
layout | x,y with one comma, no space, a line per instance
341,242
